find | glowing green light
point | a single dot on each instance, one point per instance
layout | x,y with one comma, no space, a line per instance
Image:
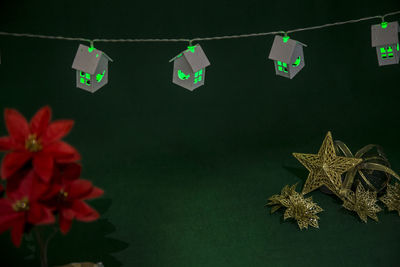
285,39
200,72
82,74
179,55
279,63
182,75
390,55
90,49
97,55
88,83
191,48
398,49
284,64
100,76
297,62
285,70
383,50
198,76
197,80
280,68
82,80
384,24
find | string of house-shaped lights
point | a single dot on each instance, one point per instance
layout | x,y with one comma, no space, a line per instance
190,65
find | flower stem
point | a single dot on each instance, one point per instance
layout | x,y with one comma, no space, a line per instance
43,244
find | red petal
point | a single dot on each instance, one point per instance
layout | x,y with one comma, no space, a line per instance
6,211
40,121
83,212
65,224
7,223
62,152
6,143
71,171
57,130
19,185
53,190
79,189
96,192
18,230
38,214
17,125
43,166
12,162
68,214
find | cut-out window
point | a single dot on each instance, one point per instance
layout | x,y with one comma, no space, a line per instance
282,66
387,52
85,78
297,62
198,76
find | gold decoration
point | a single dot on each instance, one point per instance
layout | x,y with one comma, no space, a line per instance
392,198
363,202
372,161
325,167
302,210
276,200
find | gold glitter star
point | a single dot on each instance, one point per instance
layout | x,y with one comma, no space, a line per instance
304,211
392,198
325,167
276,200
363,202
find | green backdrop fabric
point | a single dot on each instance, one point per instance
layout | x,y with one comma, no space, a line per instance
186,174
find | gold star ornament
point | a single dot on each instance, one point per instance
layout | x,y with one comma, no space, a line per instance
325,167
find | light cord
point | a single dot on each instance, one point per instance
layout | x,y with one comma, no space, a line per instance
198,38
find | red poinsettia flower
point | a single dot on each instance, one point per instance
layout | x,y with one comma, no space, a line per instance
21,205
39,140
67,195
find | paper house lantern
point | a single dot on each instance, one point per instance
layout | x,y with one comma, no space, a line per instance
190,68
386,40
91,67
287,55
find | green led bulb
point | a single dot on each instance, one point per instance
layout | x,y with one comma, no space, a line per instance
90,49
285,39
191,48
384,25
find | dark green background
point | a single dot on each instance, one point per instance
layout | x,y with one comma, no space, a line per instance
187,174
